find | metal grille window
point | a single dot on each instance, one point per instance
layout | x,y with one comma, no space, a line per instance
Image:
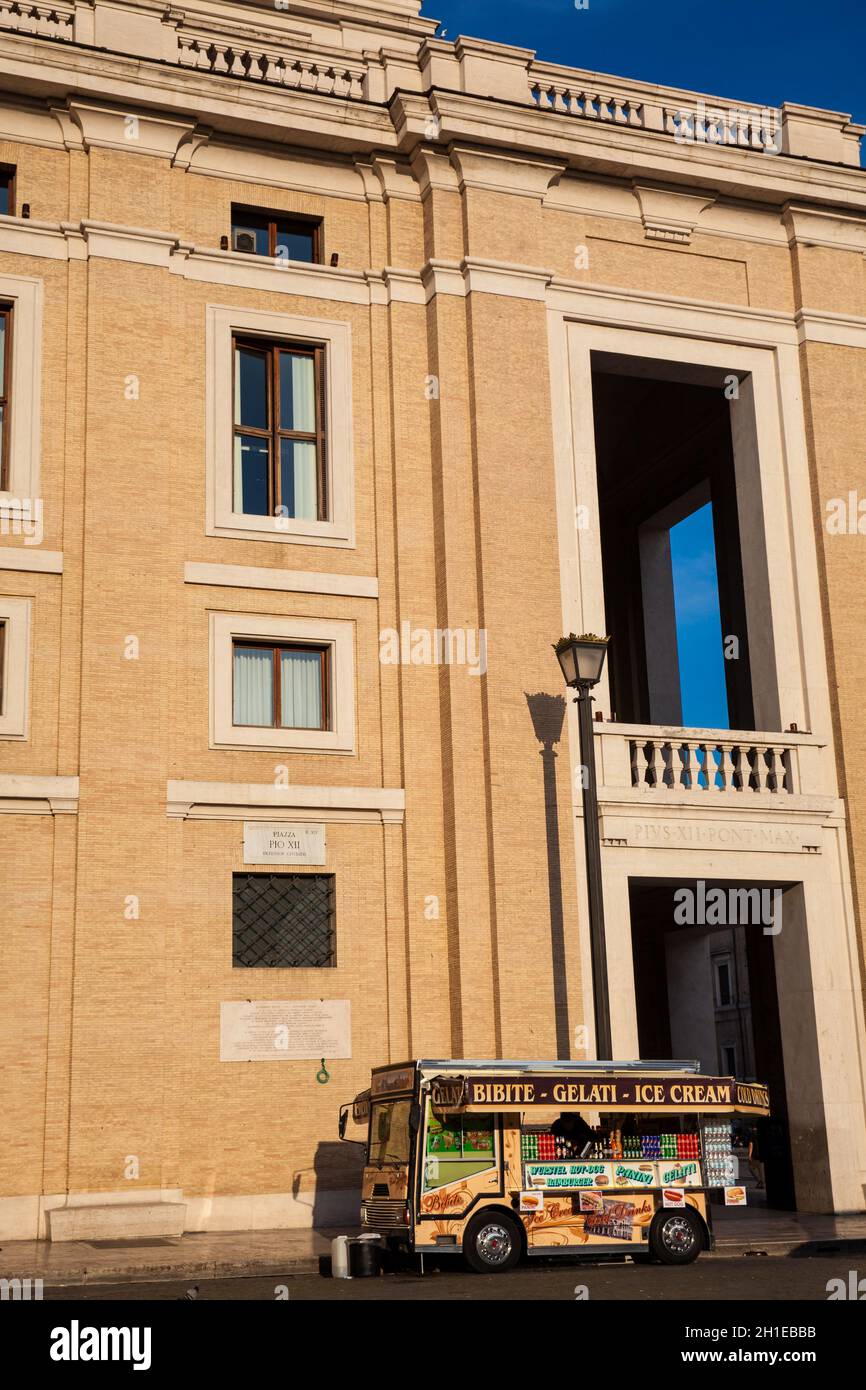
285,921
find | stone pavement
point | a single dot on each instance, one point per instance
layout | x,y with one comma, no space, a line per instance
222,1254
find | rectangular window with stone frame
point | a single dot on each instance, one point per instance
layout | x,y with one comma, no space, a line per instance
283,921
279,430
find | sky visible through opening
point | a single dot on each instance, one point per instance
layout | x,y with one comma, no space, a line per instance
699,622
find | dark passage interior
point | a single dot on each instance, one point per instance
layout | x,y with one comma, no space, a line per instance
710,993
664,451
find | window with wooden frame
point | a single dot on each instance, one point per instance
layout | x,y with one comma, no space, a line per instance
2,665
261,233
279,429
5,390
7,189
285,685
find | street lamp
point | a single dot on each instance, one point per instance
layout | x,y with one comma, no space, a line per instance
582,662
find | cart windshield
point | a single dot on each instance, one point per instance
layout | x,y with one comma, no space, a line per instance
390,1137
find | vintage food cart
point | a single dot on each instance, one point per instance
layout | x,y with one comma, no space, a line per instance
500,1159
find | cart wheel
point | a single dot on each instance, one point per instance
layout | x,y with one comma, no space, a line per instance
676,1237
492,1243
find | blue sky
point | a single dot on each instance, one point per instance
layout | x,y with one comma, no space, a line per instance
699,624
754,53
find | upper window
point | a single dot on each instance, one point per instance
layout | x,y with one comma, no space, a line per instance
279,435
5,387
260,233
724,982
279,432
7,189
281,686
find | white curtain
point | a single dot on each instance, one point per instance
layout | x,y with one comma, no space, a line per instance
299,484
301,690
299,410
253,687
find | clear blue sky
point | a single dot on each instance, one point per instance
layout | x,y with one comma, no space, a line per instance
699,623
764,54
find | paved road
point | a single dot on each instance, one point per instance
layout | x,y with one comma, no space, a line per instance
770,1279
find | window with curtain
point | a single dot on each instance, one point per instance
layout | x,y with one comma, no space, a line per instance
281,687
5,380
279,435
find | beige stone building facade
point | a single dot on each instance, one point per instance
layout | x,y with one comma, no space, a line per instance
345,368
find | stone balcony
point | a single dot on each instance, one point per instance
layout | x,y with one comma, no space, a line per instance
365,61
721,777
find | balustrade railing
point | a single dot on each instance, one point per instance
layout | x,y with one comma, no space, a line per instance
282,69
702,764
44,21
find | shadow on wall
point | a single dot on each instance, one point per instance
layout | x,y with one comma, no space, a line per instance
335,1192
548,715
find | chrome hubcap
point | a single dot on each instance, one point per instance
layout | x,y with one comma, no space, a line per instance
494,1244
678,1235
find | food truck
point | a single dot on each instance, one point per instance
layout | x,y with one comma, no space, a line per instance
500,1159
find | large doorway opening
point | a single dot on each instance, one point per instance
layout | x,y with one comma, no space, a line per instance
683,552
722,976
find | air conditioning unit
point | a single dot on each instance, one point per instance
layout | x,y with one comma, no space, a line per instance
244,241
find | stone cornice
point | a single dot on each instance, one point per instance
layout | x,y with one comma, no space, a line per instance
38,796
491,114
264,801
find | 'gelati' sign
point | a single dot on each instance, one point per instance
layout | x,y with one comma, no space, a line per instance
280,842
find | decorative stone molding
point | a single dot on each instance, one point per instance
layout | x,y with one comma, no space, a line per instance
825,135
285,581
117,128
264,801
31,561
496,172
836,229
670,214
38,796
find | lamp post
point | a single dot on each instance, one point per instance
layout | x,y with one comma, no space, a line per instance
582,662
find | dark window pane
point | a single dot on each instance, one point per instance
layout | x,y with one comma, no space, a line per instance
298,479
251,475
297,392
296,244
283,920
251,389
4,196
2,351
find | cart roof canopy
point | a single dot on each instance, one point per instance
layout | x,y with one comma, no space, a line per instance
659,1087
